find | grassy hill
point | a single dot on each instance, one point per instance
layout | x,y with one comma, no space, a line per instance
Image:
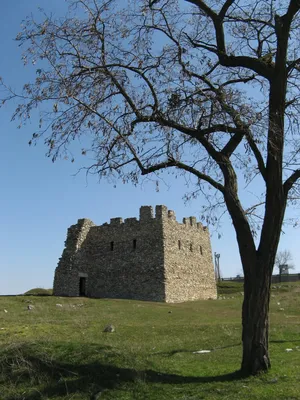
39,292
58,350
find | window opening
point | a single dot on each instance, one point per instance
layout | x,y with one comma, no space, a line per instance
179,244
134,244
111,246
201,251
191,246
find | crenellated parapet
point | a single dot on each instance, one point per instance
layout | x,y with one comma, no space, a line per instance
162,219
147,215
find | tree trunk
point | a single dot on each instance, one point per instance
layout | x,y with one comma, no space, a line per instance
255,319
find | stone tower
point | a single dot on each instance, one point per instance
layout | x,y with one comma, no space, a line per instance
153,258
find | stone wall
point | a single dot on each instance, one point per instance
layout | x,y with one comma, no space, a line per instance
138,259
66,279
189,266
125,259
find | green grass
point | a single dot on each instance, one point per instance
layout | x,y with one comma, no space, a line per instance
53,352
234,287
229,287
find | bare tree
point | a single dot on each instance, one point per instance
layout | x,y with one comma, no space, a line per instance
206,88
283,261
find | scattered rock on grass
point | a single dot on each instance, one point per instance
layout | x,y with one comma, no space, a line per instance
109,328
5,311
288,350
58,305
201,351
30,307
97,396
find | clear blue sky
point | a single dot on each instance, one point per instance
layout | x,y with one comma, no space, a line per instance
40,200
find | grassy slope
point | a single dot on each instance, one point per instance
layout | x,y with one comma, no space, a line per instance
38,292
54,352
229,288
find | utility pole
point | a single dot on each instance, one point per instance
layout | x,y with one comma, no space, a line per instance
217,267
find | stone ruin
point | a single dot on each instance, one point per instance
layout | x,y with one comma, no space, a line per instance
154,258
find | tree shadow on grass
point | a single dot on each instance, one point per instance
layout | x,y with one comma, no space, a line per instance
284,341
54,378
177,351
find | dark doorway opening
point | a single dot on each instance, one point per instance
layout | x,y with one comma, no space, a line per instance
82,286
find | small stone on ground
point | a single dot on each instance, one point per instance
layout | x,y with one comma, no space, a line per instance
109,328
201,351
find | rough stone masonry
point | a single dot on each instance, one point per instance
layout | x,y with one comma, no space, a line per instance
153,258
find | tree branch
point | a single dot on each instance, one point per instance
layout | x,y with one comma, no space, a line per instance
225,8
204,7
288,184
255,64
233,142
180,165
257,155
238,80
294,64
293,8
